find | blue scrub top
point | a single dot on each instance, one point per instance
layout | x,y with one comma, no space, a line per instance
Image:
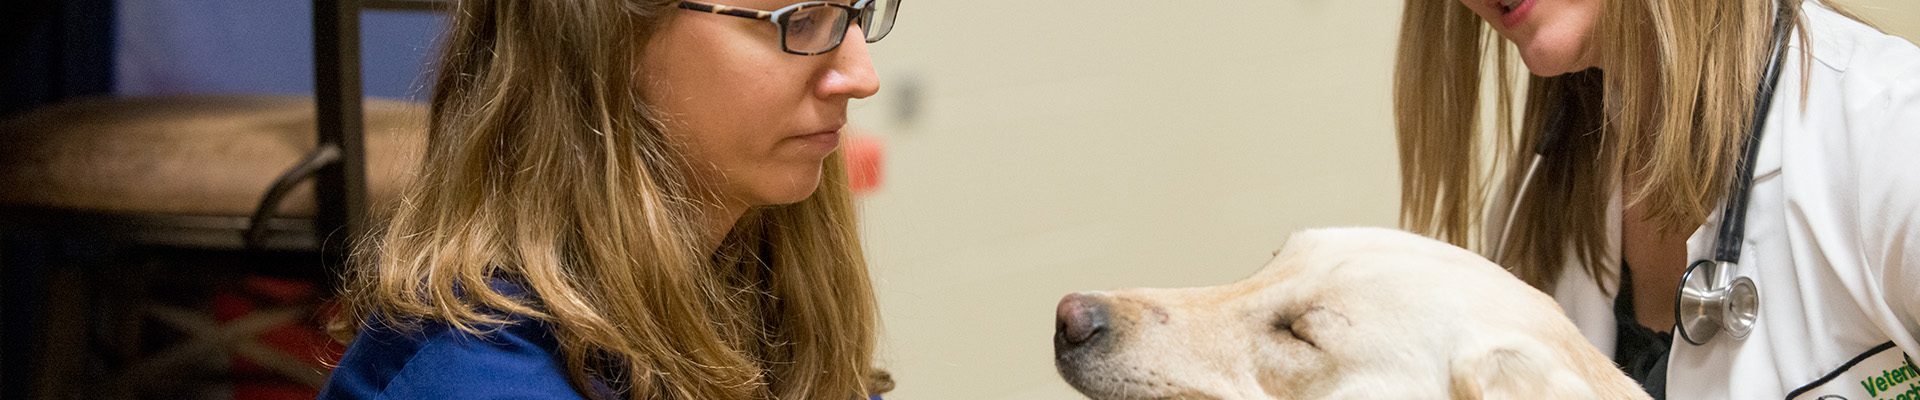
518,361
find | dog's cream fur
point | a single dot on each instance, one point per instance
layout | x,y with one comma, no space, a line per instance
1349,313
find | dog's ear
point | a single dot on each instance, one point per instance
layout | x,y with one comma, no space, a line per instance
1514,369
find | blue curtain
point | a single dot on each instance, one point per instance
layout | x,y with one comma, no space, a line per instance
260,46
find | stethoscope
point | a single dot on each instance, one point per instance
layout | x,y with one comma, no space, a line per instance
1712,299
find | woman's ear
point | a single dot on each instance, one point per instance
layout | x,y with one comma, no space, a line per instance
1514,368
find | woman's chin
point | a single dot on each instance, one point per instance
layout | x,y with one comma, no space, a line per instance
1551,62
1554,52
787,191
787,199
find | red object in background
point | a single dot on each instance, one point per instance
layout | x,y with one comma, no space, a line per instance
303,339
865,157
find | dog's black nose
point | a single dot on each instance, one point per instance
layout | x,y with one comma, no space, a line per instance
1079,319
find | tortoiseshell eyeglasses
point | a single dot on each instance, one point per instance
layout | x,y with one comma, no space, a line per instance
815,27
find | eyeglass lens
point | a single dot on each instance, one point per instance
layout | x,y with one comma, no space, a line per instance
813,29
877,19
820,27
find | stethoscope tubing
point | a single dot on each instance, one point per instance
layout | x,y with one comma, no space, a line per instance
1733,219
1718,300
1513,207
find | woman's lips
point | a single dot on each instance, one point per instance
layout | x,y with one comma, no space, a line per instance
1513,15
829,138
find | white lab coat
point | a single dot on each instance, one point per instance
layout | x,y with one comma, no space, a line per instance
1832,234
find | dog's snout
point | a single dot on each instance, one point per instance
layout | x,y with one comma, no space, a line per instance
1079,319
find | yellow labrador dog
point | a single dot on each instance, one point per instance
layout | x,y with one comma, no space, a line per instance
1348,313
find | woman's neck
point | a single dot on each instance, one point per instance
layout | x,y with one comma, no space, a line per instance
720,221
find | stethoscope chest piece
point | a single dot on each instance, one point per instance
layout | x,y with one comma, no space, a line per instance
1711,300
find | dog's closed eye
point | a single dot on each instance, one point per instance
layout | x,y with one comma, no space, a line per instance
1289,326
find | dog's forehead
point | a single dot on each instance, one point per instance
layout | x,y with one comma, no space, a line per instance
1314,264
1327,256
1323,249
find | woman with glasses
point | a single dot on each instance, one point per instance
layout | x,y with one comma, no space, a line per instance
627,199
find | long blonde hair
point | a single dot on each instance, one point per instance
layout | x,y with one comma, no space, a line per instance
1674,103
545,168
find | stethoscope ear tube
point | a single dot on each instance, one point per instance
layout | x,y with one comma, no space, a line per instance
1513,209
1550,138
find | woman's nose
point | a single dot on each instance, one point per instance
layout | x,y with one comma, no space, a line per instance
851,73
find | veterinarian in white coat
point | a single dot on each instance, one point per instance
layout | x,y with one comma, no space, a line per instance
1610,218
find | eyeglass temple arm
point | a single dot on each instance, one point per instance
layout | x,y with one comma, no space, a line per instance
727,10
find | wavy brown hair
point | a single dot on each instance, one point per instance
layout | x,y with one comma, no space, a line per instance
546,168
1674,103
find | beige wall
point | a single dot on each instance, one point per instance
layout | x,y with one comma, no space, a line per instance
1899,17
1076,145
